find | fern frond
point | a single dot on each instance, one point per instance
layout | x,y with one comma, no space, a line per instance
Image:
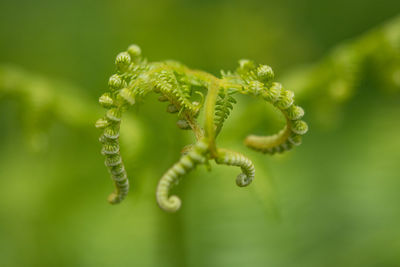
178,85
223,108
165,82
291,134
187,162
233,158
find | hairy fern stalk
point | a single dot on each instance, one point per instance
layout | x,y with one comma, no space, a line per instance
184,90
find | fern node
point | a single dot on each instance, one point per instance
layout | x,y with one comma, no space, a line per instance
128,96
115,82
265,73
122,61
256,87
299,127
106,101
273,93
102,123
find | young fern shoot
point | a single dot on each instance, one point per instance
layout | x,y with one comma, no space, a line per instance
184,89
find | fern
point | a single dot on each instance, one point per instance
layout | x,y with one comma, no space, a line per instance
178,85
223,108
336,77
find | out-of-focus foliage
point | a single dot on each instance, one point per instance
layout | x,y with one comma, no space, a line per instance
339,77
332,202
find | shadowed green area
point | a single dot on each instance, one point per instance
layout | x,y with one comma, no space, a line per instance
330,202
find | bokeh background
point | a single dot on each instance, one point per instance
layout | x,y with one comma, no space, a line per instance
334,201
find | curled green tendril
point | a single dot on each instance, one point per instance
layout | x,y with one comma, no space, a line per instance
183,90
197,155
236,159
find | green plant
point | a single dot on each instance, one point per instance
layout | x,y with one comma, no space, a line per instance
327,85
184,89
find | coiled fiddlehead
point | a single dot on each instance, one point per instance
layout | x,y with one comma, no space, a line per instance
236,159
258,83
182,87
197,155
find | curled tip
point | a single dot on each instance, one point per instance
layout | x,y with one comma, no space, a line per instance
246,64
171,204
113,199
134,51
265,73
123,60
295,139
273,93
243,180
256,87
128,96
299,127
115,82
114,114
102,123
285,100
106,101
295,112
111,132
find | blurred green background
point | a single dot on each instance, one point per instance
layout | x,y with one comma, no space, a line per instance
334,201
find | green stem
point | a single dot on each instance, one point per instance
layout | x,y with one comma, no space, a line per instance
209,115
